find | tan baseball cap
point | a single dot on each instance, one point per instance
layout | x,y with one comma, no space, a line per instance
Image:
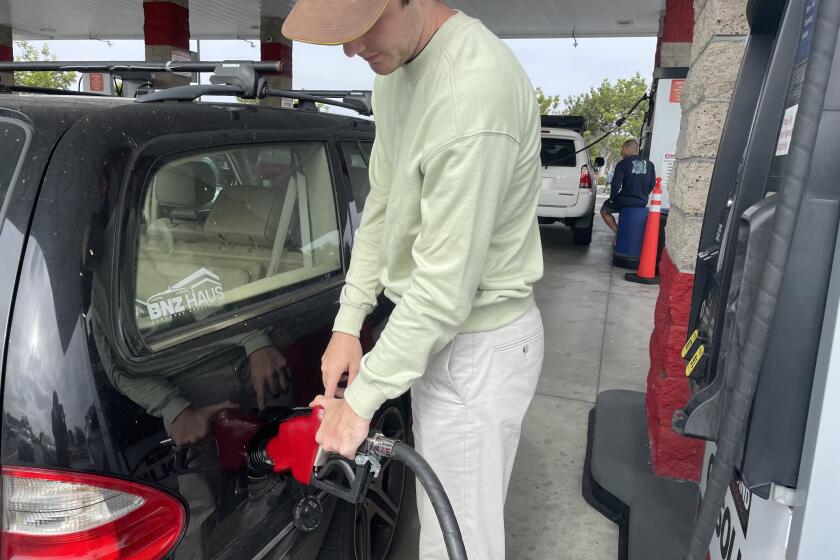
332,22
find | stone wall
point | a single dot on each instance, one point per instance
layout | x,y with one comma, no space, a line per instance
676,31
667,389
166,30
719,41
720,31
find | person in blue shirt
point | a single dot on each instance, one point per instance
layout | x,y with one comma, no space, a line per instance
631,184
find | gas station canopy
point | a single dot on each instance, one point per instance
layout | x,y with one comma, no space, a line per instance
224,19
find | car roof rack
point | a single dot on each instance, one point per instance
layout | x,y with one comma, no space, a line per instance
570,122
242,78
117,67
5,88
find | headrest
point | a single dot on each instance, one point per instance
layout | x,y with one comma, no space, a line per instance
247,215
274,166
189,185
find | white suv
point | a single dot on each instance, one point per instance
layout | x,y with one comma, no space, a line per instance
568,192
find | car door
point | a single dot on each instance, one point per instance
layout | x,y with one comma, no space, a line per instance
27,139
216,268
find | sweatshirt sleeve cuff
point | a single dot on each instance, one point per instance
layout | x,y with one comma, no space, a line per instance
172,409
349,320
255,341
364,398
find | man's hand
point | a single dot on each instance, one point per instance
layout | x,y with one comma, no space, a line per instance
268,373
192,426
344,354
342,430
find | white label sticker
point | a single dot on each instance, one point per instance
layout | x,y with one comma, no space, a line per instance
748,527
199,290
785,135
667,169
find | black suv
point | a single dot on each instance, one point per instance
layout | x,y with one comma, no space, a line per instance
145,246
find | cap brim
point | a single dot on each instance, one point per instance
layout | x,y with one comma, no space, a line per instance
332,22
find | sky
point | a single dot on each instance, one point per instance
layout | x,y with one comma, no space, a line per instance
555,65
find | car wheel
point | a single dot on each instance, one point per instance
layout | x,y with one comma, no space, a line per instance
582,236
365,531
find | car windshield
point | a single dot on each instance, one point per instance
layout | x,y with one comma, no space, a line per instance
558,152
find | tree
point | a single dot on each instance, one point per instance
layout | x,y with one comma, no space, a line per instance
54,80
549,104
602,107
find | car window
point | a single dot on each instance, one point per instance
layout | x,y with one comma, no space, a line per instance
13,139
227,228
357,169
558,152
367,148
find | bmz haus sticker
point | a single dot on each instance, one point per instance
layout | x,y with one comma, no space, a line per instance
199,290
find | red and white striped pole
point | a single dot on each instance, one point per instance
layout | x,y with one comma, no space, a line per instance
650,247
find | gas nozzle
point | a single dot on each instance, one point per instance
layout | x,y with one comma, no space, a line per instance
378,445
349,481
294,449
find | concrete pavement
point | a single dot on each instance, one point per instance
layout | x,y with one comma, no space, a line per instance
597,329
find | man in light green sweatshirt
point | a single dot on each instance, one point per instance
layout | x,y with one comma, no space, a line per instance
449,232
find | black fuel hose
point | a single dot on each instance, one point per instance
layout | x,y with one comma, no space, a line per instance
734,424
440,501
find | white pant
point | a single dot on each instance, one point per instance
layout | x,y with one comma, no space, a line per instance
468,409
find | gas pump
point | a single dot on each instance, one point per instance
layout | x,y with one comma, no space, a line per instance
761,320
761,289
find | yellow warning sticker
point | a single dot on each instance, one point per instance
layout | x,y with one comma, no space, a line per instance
691,340
695,360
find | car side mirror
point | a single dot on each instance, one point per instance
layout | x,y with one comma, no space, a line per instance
599,162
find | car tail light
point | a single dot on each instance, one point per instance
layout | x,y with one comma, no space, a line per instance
585,177
57,514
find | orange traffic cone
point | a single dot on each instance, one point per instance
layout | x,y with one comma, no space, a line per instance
647,263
